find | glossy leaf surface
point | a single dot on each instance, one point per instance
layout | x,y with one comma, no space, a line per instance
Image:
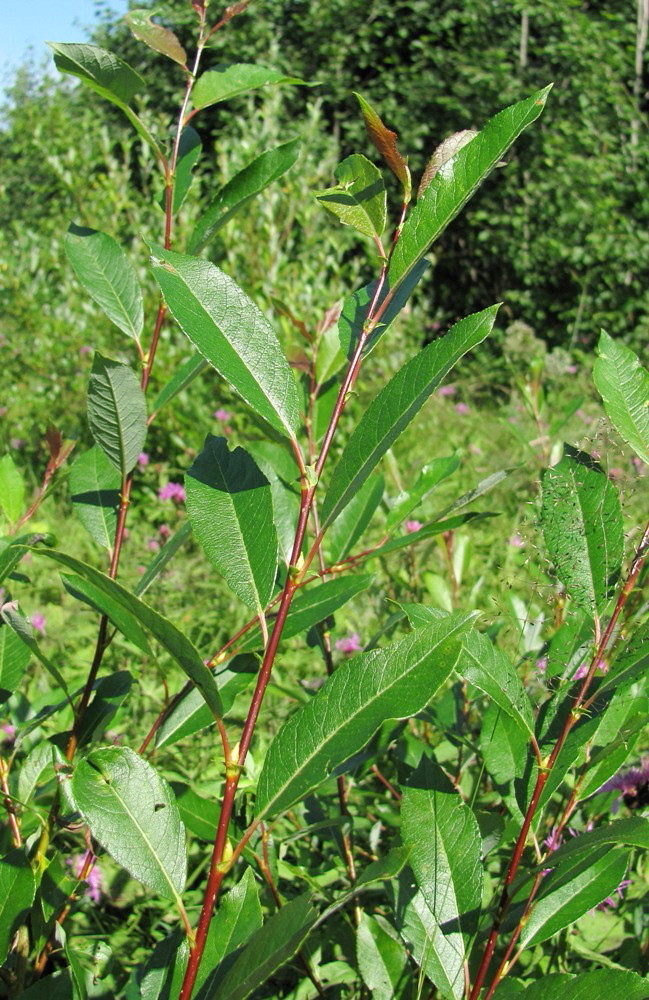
132,812
582,527
491,671
390,683
359,199
396,404
157,37
457,180
231,511
17,888
181,379
102,71
623,384
242,188
238,918
120,616
108,276
232,333
117,412
223,82
94,488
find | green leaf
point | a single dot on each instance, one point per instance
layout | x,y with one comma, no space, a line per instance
23,630
184,377
38,767
601,984
386,143
446,149
164,556
17,889
311,606
110,693
504,748
633,831
268,949
279,469
630,664
238,918
191,714
12,489
242,188
232,333
94,489
491,671
230,508
14,657
582,527
189,151
117,412
356,309
105,73
623,384
155,36
457,181
382,958
167,634
161,977
58,986
359,199
428,531
350,526
436,955
571,890
108,276
101,602
445,857
391,683
196,812
430,476
132,812
223,82
395,406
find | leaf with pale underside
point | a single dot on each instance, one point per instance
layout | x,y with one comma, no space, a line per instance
230,507
623,384
232,333
390,683
117,412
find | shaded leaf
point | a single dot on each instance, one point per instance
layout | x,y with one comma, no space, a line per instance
390,683
121,617
359,199
223,82
231,511
582,527
397,403
157,37
117,412
242,188
382,958
623,384
108,276
110,693
14,657
231,333
23,630
189,151
350,526
94,487
601,984
491,670
430,476
132,812
102,71
238,918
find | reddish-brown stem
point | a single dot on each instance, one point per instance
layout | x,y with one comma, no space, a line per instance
384,781
580,704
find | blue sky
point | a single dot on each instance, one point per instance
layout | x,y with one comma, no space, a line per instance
25,23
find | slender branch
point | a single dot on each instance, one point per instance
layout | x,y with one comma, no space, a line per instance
7,802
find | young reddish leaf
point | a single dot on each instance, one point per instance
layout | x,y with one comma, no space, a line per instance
386,143
444,152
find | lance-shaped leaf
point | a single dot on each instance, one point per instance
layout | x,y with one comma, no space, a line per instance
12,489
23,630
117,412
397,403
165,632
230,507
97,599
602,984
242,188
17,888
623,384
164,556
157,37
356,309
491,670
386,142
131,810
429,530
430,476
102,71
239,917
268,949
582,527
108,276
183,377
391,683
359,199
446,853
189,150
457,181
231,333
632,831
223,82
94,489
14,657
382,959
349,527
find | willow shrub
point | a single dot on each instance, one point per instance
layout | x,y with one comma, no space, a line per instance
438,878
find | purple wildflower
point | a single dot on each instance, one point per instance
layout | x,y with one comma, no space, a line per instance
462,408
554,840
172,491
143,459
153,545
631,784
615,474
583,668
38,622
165,532
611,902
9,733
93,878
412,526
572,370
542,664
447,390
221,414
85,350
516,541
349,644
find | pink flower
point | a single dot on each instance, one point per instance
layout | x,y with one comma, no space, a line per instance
583,416
3,411
516,541
38,622
85,350
462,408
172,491
572,370
17,443
542,664
165,532
9,731
638,464
349,644
221,414
93,878
142,459
583,668
554,840
615,473
611,902
412,526
153,545
447,390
